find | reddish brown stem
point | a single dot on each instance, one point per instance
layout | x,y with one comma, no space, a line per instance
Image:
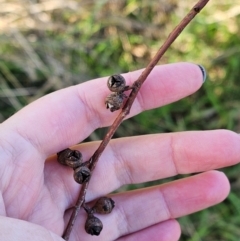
126,108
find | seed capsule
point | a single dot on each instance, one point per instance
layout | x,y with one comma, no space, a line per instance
104,205
93,225
71,158
82,174
114,101
116,83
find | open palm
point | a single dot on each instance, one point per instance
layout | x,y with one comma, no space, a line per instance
37,193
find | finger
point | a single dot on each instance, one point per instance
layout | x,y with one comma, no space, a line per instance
137,210
165,231
68,116
145,158
14,229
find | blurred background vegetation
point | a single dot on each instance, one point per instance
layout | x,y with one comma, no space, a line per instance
46,45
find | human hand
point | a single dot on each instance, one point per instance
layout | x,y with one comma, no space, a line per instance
43,192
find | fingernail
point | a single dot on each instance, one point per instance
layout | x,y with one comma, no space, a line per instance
204,73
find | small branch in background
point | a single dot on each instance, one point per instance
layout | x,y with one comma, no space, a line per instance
36,61
18,92
126,108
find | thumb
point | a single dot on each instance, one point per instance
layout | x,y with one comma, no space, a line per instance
15,229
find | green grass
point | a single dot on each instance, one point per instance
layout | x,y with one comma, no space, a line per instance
62,45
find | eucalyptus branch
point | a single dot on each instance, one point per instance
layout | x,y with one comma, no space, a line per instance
127,106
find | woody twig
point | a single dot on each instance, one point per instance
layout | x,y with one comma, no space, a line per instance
126,109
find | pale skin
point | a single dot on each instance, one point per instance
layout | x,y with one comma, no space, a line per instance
38,190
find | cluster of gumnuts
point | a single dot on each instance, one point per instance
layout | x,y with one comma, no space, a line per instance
117,84
82,174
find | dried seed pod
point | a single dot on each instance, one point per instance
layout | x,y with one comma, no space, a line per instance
82,174
93,225
116,83
104,205
71,158
114,101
